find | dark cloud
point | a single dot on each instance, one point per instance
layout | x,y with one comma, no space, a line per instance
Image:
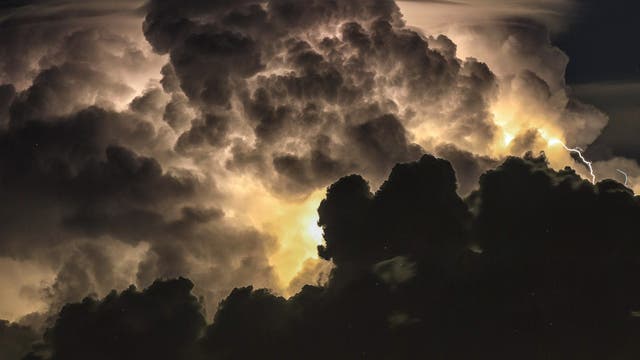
7,94
311,171
61,91
314,272
69,185
177,113
216,255
92,155
78,277
15,340
211,131
309,97
535,264
527,141
425,192
467,165
152,102
160,322
19,60
383,142
547,260
230,54
68,173
559,252
47,33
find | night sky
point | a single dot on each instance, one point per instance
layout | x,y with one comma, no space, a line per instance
319,179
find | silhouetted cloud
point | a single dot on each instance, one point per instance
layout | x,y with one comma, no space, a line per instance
15,340
535,264
160,322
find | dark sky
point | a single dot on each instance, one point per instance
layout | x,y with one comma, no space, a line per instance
604,70
599,42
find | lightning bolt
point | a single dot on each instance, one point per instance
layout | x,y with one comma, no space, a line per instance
626,177
577,151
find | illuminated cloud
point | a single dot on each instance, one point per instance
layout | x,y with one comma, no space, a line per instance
197,138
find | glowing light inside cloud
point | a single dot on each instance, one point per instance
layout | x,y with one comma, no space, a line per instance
313,231
508,138
19,279
293,222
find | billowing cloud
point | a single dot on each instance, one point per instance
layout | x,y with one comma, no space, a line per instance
144,141
83,140
297,104
534,259
166,309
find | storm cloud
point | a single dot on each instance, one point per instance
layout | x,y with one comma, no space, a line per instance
534,259
147,141
295,104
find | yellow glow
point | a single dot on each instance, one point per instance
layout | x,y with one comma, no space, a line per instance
313,231
511,120
295,225
293,222
553,141
508,138
21,282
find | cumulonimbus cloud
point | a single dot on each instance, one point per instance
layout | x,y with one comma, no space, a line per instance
197,137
